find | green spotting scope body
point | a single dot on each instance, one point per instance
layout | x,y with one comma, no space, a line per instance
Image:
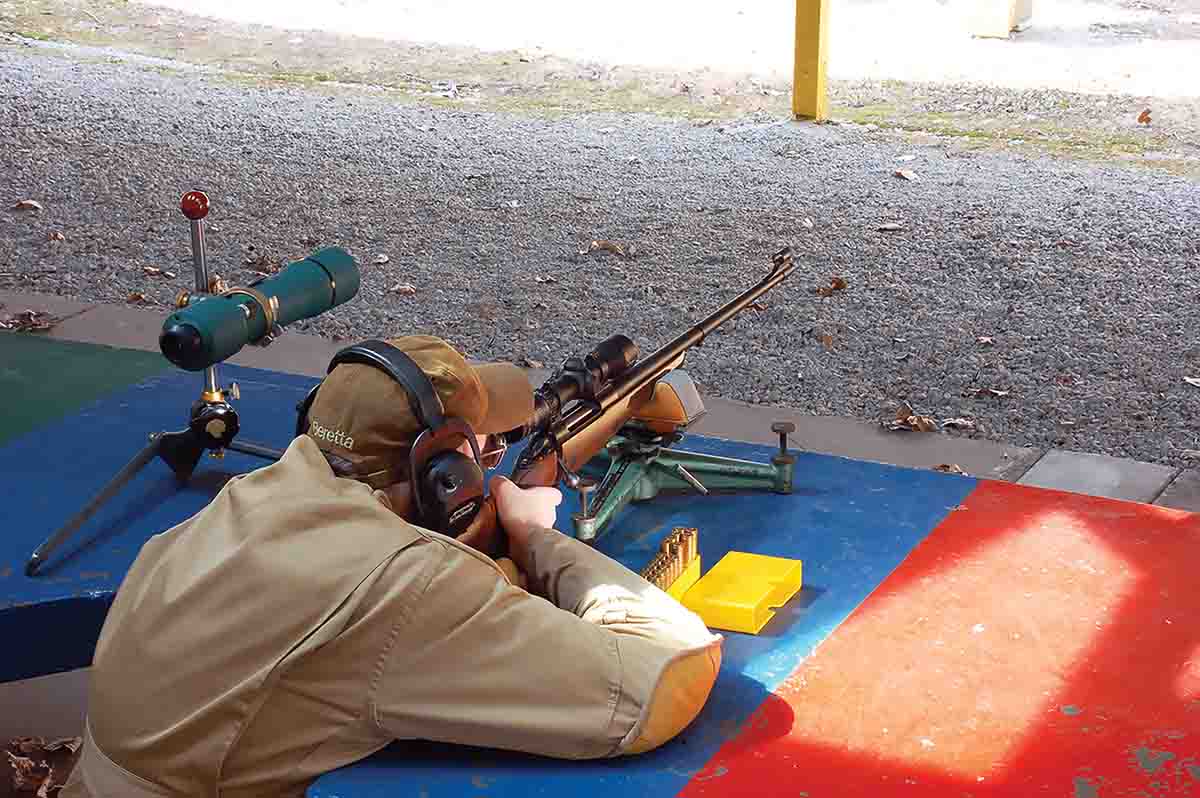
217,326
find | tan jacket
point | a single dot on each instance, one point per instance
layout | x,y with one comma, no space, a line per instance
297,624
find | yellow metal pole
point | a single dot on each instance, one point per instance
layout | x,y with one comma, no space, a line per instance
809,98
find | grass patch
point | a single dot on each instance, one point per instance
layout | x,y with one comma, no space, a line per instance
1046,138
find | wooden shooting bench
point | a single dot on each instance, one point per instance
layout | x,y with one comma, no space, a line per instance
954,637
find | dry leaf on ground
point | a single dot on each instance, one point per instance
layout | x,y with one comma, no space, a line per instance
949,468
986,392
403,289
55,235
1192,381
265,267
958,423
986,340
530,363
29,321
381,259
28,205
907,419
217,285
826,340
154,271
605,246
609,246
40,767
262,260
835,284
906,174
1144,117
28,774
137,297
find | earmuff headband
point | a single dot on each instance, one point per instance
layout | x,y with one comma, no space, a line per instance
403,369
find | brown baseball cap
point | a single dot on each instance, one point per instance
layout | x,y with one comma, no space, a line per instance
364,417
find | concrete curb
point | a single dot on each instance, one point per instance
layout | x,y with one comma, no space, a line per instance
1076,472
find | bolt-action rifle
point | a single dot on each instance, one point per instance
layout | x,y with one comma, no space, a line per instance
590,401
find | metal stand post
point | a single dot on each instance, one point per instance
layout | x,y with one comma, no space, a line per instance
212,423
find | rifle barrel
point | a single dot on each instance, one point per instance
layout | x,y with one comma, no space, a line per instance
657,364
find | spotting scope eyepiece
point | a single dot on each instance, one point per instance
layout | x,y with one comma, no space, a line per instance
217,326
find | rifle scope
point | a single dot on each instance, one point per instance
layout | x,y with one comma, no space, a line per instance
579,378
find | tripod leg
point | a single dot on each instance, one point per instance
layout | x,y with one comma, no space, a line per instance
148,453
255,450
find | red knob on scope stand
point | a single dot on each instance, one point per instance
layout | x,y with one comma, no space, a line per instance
194,205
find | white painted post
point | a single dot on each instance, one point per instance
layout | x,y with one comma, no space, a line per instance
996,19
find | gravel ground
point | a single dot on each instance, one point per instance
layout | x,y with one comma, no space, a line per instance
1071,288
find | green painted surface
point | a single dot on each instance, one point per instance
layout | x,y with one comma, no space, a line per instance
42,379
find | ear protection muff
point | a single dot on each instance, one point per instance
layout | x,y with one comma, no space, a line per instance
448,486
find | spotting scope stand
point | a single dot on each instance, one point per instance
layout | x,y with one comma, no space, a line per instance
212,424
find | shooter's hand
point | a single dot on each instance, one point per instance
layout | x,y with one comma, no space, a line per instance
521,510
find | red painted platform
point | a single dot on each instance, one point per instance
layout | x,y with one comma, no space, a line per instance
1037,643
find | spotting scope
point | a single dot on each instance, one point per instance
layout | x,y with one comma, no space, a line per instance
217,326
207,328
